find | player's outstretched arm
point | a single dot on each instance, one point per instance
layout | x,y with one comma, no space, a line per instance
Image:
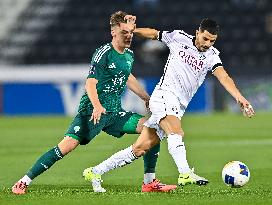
230,86
134,85
141,32
149,33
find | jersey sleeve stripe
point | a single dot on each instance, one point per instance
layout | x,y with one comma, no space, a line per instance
129,50
160,35
216,66
182,33
101,51
102,54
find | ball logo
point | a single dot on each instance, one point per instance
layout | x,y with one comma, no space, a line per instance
229,179
243,170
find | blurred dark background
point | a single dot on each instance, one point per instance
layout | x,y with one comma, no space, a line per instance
69,31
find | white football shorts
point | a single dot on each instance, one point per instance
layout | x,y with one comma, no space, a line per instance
163,103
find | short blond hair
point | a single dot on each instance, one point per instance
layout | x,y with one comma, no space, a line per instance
117,18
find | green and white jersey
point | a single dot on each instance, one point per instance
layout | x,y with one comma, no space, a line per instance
111,69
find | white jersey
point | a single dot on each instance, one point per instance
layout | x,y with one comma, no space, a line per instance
186,67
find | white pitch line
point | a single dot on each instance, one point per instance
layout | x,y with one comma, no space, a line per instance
260,142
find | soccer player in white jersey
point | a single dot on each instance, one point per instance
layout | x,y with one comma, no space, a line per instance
190,59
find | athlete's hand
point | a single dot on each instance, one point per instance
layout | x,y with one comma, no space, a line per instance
131,21
245,107
147,107
97,112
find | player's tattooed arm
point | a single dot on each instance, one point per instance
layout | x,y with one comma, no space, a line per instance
230,86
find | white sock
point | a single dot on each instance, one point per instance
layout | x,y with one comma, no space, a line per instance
26,179
177,150
119,159
148,177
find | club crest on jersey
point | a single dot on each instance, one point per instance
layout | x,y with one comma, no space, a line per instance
76,128
194,63
129,63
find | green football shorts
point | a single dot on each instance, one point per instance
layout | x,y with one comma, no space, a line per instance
113,123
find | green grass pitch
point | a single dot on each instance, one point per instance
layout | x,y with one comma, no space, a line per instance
211,141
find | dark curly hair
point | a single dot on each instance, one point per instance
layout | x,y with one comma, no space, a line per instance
209,25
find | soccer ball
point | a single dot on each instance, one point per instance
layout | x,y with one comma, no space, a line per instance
235,174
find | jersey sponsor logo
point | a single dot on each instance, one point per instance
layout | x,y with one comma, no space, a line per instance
112,65
194,63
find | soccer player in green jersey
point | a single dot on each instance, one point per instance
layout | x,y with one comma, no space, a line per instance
100,109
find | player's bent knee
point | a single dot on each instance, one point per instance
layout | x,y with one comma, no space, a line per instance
67,145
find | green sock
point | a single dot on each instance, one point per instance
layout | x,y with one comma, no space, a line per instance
45,162
150,159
